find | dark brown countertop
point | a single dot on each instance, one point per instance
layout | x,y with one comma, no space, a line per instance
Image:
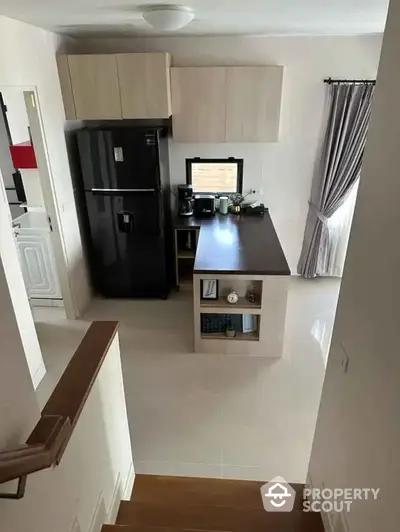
188,222
237,244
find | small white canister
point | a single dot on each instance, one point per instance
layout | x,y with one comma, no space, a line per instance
223,204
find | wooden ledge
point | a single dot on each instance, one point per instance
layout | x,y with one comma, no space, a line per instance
48,440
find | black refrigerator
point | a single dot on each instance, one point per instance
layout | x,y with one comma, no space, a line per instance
125,173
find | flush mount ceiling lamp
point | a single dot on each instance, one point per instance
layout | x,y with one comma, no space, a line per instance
166,17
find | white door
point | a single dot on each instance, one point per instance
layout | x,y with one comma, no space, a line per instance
38,267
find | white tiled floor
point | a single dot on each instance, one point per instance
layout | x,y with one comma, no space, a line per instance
210,415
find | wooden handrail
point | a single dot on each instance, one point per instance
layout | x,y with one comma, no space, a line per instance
19,462
48,440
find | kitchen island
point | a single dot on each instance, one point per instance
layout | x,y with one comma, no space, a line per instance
241,254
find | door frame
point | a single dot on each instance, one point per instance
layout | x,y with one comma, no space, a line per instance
17,290
52,207
35,120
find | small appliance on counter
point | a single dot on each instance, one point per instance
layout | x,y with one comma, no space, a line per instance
185,200
204,205
223,204
254,209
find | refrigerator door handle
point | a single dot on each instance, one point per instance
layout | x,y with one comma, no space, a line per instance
123,189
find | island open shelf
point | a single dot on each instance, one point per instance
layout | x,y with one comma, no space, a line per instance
185,243
268,311
220,306
241,326
243,287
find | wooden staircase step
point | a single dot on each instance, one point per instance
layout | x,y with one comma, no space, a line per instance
202,491
182,504
216,518
147,528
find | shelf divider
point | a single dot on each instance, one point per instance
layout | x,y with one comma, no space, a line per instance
221,306
240,336
187,254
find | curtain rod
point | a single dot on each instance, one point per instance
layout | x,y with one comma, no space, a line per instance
330,81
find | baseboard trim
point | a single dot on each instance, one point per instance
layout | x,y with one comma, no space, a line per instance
99,515
115,501
121,493
75,526
130,480
38,375
324,516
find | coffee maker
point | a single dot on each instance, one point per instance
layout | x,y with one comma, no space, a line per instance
185,200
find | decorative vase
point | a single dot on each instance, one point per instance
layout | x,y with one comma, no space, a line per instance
235,209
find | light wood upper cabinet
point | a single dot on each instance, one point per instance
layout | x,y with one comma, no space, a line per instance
226,104
66,87
253,103
198,104
94,81
208,104
144,81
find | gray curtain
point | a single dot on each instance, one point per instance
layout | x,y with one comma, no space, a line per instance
338,169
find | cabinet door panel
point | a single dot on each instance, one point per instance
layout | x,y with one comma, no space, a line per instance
144,80
66,87
38,267
94,81
253,103
198,104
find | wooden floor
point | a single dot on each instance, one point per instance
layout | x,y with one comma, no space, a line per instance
171,504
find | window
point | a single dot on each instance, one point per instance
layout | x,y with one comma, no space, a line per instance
215,176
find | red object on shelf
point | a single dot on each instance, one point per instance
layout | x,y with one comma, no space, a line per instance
23,155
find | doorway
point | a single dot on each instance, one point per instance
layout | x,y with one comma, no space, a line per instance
27,180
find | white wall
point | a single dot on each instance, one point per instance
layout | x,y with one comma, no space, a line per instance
18,405
21,311
16,114
96,471
357,438
28,60
282,170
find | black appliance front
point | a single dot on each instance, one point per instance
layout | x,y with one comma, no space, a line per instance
128,256
120,158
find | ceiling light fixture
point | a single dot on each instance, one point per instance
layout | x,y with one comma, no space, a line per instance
168,17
